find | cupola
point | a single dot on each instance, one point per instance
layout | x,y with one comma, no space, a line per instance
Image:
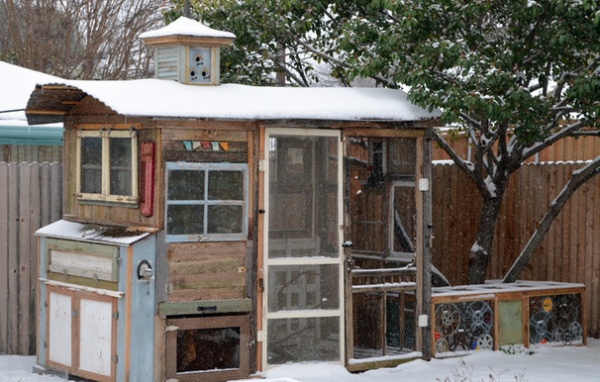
187,51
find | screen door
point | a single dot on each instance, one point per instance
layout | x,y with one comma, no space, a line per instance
303,295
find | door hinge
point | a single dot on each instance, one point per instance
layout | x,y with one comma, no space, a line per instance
115,358
262,165
75,314
115,315
260,336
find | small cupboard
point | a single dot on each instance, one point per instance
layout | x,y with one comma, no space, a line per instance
96,301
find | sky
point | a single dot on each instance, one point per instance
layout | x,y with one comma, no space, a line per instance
541,363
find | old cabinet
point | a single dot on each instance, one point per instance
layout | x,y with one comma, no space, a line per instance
96,301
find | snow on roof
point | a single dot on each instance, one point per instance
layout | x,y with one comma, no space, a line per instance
186,27
163,98
16,85
63,229
489,290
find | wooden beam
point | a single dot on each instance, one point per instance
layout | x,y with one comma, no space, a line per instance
204,307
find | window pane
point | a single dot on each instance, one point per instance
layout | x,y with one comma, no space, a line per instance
225,185
120,166
404,219
185,219
402,156
186,185
91,165
225,219
302,287
208,349
303,340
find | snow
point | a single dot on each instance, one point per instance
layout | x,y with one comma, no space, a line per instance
63,229
17,85
164,98
184,26
541,363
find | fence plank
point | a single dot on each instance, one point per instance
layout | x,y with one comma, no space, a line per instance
4,269
595,260
24,254
30,197
13,260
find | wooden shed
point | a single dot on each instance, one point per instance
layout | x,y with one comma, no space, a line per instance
211,231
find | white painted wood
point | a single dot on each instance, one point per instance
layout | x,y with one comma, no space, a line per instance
104,292
81,264
287,247
167,61
59,328
95,333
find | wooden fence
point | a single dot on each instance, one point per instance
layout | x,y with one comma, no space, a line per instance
570,251
566,149
30,197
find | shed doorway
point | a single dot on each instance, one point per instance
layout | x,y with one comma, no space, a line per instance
303,261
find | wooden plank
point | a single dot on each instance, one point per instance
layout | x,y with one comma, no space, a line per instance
595,282
205,307
560,219
204,294
230,263
574,206
549,252
5,310
171,134
193,251
213,281
13,260
586,236
168,124
363,132
35,223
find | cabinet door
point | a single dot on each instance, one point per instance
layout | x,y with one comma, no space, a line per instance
60,324
95,336
81,329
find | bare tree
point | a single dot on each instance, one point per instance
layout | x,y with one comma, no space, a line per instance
82,39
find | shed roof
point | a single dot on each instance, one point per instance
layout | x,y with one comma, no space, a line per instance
170,99
17,85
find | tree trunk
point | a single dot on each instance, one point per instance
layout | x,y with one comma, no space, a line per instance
481,249
578,178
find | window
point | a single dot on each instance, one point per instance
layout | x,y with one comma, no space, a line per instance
206,201
107,165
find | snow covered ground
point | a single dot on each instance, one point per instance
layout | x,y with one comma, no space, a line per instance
539,364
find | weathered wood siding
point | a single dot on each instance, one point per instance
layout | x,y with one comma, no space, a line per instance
570,251
30,197
101,213
207,271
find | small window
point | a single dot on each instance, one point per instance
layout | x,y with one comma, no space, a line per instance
107,165
206,201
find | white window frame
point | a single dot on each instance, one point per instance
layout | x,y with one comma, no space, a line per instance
105,134
207,167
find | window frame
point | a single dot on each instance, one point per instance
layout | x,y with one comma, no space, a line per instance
113,131
207,167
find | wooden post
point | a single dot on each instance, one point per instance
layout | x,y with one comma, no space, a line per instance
424,227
